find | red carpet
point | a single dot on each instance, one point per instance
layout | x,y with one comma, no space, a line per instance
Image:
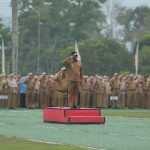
68,115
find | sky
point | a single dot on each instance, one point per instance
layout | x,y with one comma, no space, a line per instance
135,3
5,9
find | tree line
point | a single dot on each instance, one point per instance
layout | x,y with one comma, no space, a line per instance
103,36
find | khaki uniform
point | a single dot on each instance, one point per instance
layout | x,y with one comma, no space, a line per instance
1,93
100,90
122,95
5,91
43,92
148,98
84,101
145,94
36,94
61,90
29,93
139,95
74,69
115,85
51,91
108,93
12,93
131,93
92,95
18,92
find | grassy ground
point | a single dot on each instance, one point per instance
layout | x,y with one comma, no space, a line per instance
20,144
136,113
124,129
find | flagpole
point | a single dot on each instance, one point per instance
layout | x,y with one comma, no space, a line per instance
79,59
77,51
3,55
137,59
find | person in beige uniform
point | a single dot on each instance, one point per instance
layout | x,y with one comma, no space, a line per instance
115,84
148,91
131,91
12,92
122,95
92,95
18,77
84,101
43,90
100,90
75,74
5,89
139,92
36,92
61,88
108,92
51,91
1,92
145,92
30,87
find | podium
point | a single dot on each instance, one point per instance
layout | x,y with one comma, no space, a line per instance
70,115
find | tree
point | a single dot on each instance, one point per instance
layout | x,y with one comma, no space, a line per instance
103,57
62,22
112,29
144,55
136,23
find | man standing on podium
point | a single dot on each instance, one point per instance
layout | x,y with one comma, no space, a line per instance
75,75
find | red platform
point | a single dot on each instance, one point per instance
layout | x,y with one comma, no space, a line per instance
68,115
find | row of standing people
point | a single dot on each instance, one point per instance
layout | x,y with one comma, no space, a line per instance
44,91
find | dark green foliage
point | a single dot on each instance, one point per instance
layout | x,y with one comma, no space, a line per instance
62,22
144,55
136,23
102,57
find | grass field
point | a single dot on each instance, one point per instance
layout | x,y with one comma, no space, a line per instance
124,129
20,144
136,113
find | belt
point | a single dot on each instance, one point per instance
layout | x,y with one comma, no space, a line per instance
11,87
61,91
131,89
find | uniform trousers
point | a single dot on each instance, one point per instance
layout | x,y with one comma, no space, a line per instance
73,90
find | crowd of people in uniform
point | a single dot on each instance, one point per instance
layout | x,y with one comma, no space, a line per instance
69,87
44,90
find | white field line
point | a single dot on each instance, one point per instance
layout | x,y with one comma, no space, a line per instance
47,142
67,129
20,111
122,117
131,136
29,111
2,113
112,134
46,127
134,123
3,124
22,115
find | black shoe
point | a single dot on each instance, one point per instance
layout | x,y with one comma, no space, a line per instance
76,107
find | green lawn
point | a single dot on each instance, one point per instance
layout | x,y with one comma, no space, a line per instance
20,144
136,113
131,127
